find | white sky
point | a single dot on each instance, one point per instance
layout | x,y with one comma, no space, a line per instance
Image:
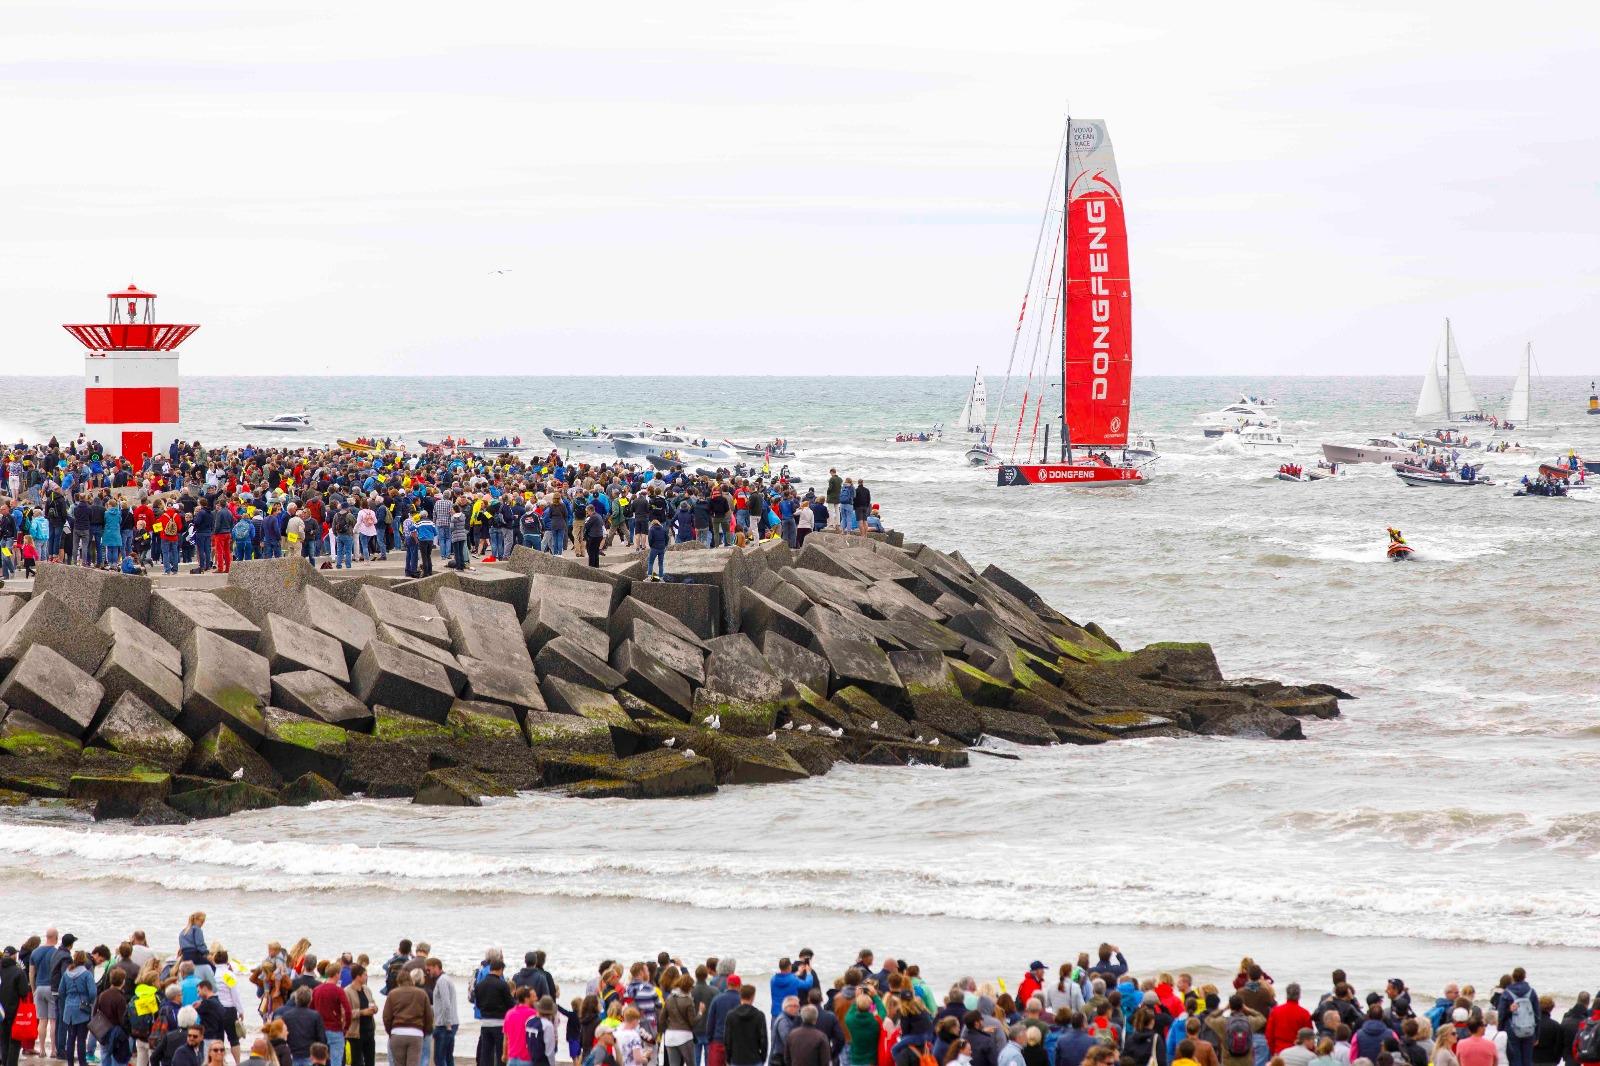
801,187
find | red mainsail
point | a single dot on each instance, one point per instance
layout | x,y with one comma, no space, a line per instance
1097,331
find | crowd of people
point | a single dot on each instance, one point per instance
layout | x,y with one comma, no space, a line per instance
202,508
197,1006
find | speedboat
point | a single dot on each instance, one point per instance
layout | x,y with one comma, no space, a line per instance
1296,472
282,423
1236,416
1421,477
1376,450
778,449
1141,448
681,446
981,454
1259,439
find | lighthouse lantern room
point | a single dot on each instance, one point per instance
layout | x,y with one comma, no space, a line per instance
130,375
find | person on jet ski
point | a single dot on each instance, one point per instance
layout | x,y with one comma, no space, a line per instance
1395,536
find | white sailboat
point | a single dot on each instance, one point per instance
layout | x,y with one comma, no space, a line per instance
975,412
1517,407
1450,399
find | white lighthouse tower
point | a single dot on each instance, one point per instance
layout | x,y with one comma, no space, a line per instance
130,376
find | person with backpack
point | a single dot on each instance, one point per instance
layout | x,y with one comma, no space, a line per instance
1237,1029
1519,1009
344,539
1586,1043
244,540
427,536
13,996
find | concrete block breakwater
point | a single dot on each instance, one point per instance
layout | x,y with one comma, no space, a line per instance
753,664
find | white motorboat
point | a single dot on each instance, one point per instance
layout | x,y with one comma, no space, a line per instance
677,446
1258,439
282,424
1141,448
1376,450
1422,478
975,412
1236,416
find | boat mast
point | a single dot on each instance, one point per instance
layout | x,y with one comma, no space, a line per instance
1066,267
1449,413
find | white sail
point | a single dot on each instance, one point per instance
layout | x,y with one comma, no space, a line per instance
1517,409
975,412
1431,403
1458,396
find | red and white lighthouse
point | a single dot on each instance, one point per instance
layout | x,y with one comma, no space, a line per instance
130,375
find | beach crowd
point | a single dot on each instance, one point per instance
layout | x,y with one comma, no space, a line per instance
199,508
198,1005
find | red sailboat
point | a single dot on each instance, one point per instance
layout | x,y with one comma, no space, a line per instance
1096,326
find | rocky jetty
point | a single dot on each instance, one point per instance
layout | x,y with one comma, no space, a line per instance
285,685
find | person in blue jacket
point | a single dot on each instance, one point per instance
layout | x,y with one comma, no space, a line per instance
75,995
790,980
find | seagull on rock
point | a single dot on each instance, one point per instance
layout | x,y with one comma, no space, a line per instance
238,775
772,736
806,728
874,725
788,725
688,753
670,741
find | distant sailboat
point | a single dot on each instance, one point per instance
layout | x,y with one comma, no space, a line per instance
1517,408
1450,399
975,412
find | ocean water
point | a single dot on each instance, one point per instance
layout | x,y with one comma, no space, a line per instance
1446,827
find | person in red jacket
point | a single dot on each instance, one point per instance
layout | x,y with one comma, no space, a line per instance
168,528
1031,984
1286,1020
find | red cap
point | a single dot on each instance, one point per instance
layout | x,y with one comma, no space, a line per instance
733,981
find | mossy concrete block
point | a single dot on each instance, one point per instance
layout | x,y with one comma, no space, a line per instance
274,586
51,690
316,695
1015,726
129,669
547,619
134,728
421,620
221,753
591,601
685,657
484,628
91,592
978,686
548,731
308,789
177,613
328,614
296,745
567,659
794,663
457,786
737,667
635,608
49,620
119,795
500,683
401,638
124,628
648,678
736,760
224,683
219,801
698,605
854,662
157,813
388,675
665,773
